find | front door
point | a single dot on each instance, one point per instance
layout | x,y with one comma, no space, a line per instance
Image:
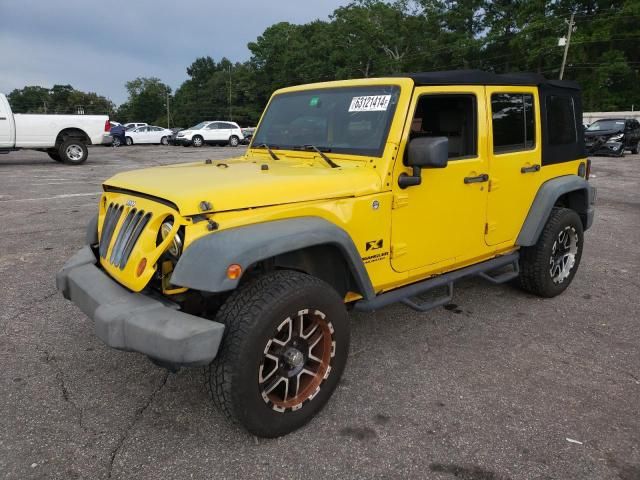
6,139
514,157
209,133
441,221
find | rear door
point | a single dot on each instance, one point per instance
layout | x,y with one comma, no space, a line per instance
514,159
141,135
226,130
155,134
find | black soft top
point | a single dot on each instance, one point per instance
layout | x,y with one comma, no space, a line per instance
479,77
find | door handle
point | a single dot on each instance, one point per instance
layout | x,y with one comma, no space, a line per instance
3,118
531,169
479,179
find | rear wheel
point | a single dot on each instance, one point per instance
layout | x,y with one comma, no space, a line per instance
116,142
54,155
234,141
285,348
548,267
73,152
197,141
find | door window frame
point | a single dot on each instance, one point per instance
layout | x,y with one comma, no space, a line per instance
476,121
535,129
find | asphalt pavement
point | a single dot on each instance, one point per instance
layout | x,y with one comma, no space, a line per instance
499,385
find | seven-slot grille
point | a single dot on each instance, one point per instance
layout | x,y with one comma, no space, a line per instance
130,231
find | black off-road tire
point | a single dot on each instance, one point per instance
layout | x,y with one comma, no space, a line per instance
73,151
54,155
251,316
535,275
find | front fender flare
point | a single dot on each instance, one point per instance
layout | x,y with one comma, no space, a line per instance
203,265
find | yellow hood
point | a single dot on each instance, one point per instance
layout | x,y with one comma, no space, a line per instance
240,183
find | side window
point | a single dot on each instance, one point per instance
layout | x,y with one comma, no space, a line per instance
453,116
513,122
212,126
561,120
229,126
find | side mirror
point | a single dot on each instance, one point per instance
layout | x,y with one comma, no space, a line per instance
428,152
424,152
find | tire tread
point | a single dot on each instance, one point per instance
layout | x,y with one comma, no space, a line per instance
240,313
534,260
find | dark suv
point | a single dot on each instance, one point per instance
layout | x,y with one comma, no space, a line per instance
611,136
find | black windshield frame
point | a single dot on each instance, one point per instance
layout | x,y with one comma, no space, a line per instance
349,92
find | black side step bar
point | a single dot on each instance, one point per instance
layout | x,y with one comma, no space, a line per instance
406,294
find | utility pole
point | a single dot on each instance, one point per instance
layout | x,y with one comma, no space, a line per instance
168,117
566,45
230,112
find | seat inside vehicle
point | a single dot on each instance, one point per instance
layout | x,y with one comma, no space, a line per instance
451,116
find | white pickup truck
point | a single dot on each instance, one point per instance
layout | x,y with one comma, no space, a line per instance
63,137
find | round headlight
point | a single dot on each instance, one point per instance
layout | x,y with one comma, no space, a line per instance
175,246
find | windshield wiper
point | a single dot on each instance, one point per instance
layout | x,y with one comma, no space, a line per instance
330,162
268,147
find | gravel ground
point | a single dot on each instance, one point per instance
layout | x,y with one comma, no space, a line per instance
502,385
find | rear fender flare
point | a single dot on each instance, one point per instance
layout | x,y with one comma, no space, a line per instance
576,190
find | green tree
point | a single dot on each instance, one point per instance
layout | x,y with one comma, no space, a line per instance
147,101
58,99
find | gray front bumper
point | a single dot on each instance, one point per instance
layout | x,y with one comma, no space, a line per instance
134,321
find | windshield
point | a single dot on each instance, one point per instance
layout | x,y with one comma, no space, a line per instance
606,125
199,126
351,120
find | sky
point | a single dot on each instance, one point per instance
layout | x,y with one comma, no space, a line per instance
97,46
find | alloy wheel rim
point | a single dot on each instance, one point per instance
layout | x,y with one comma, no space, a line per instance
74,152
197,141
563,254
296,360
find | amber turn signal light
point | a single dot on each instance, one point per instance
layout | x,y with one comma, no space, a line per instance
141,266
234,271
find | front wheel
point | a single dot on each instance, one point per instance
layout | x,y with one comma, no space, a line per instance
197,141
285,348
548,267
636,149
234,141
128,141
73,152
164,141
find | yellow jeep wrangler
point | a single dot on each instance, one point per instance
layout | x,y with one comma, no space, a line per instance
352,194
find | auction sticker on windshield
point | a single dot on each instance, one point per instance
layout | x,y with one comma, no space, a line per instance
370,103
